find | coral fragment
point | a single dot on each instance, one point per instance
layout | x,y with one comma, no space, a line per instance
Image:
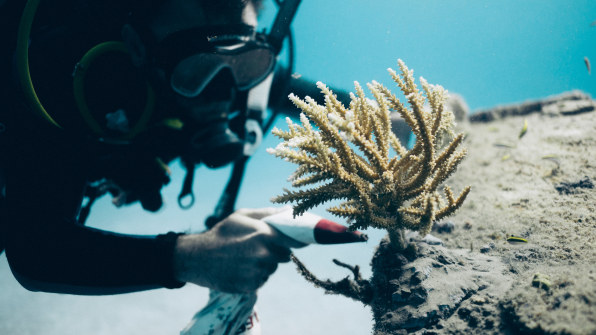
351,154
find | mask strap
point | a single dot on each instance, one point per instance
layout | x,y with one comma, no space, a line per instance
227,200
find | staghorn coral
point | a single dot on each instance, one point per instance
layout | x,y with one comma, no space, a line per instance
351,154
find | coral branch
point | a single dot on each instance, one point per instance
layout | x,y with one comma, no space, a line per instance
355,269
357,289
345,154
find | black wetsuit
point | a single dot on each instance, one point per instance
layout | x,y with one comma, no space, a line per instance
48,249
47,172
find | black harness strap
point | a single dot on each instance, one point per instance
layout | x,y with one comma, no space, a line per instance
227,200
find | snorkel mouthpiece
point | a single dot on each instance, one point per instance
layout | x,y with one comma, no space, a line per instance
216,145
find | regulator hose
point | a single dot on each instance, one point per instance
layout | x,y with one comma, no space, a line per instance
79,89
22,61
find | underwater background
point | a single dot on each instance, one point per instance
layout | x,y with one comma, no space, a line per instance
489,52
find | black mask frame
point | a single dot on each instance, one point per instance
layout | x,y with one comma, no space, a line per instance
248,56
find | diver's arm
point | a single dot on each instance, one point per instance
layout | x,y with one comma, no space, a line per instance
80,260
48,251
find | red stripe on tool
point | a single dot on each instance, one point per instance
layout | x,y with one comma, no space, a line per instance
329,232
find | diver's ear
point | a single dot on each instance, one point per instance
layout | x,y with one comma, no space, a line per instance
131,38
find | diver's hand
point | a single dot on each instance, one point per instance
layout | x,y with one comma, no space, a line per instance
237,255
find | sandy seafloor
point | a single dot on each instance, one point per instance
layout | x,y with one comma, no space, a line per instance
514,192
539,187
531,214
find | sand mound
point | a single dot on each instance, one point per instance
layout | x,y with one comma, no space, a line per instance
538,186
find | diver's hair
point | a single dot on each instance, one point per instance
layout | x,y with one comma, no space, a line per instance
230,5
145,10
112,14
106,17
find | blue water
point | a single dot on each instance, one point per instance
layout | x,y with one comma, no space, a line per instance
490,52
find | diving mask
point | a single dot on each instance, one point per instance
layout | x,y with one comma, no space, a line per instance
206,63
192,58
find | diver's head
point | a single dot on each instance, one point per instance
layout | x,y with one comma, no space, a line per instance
182,69
200,56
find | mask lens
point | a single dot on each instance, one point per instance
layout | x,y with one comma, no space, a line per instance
190,77
249,66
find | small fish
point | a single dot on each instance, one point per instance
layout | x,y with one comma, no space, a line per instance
552,158
506,157
524,129
587,61
515,239
504,145
296,75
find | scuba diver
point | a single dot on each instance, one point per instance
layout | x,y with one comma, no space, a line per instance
98,97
